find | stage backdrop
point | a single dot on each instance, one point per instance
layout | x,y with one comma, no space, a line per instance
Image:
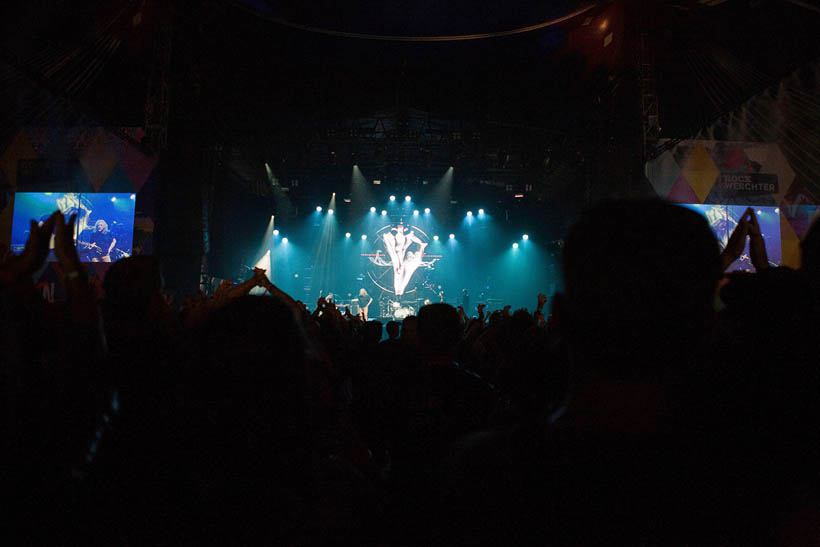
85,160
737,173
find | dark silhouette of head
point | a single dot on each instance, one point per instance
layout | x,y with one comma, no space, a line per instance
640,279
393,329
810,250
410,331
371,333
133,295
439,328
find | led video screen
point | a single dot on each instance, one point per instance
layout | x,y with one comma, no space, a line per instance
724,218
104,227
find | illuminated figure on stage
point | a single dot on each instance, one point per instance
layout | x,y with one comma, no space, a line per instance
403,260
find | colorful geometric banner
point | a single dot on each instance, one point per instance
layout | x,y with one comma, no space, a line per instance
736,173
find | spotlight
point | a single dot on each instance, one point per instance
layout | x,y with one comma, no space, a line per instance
469,213
296,276
407,198
372,209
284,240
330,211
133,196
777,209
113,199
515,245
426,210
481,211
347,234
384,212
452,236
435,238
525,237
392,198
364,236
759,212
318,208
415,212
276,232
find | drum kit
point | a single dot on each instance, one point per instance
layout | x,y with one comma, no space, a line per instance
399,311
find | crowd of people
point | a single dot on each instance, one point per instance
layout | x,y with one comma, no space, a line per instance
656,400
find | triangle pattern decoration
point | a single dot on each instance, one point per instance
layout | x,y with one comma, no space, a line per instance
777,163
682,193
98,160
662,172
701,172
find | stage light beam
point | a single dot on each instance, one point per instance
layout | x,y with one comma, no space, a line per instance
415,212
407,198
435,238
284,240
426,210
318,208
384,212
372,209
515,245
364,236
480,212
330,211
276,232
347,235
392,198
525,237
452,236
469,213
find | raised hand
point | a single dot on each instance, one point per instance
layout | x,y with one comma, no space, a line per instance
36,250
737,241
542,299
507,310
64,247
757,245
221,294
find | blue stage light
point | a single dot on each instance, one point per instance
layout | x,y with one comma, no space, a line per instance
469,213
384,212
364,236
284,240
515,245
330,211
276,232
525,237
435,238
318,208
372,209
426,210
452,236
392,198
113,199
481,211
347,234
416,212
407,198
133,196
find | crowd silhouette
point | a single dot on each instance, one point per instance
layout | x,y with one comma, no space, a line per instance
656,400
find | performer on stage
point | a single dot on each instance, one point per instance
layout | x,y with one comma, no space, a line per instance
364,301
102,242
